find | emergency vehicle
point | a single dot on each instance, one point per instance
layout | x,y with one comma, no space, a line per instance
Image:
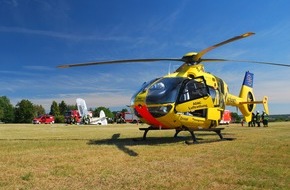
126,117
43,119
226,119
72,117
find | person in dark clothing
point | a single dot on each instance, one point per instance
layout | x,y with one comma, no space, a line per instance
253,122
258,119
265,118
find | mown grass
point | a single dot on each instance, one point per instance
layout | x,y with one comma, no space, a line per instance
105,157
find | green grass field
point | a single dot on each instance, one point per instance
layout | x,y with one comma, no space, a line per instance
105,157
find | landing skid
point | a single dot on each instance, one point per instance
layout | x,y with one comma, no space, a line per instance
177,131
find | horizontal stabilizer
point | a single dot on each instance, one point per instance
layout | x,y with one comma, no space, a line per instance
102,120
264,102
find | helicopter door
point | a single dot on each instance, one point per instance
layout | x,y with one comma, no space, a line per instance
194,98
192,90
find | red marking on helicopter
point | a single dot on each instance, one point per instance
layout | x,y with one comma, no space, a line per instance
144,112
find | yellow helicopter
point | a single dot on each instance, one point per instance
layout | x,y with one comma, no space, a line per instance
190,99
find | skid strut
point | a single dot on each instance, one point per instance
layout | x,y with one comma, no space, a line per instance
177,131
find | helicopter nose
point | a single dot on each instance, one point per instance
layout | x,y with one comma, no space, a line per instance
144,112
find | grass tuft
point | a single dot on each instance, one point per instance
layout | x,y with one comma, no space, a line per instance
27,176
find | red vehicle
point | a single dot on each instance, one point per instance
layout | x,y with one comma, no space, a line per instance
43,119
226,118
126,117
72,117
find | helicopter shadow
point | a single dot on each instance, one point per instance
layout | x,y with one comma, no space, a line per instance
123,144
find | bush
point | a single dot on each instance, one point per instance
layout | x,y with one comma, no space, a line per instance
59,119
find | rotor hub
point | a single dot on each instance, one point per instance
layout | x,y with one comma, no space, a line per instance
190,58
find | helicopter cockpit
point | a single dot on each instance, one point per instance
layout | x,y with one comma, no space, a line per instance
173,90
163,93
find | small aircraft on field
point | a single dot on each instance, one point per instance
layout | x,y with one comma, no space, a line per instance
190,98
87,116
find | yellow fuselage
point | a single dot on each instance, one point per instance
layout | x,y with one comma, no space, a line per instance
203,112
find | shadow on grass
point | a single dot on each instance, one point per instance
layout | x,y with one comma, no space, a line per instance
123,143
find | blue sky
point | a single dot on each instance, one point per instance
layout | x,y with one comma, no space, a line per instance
38,35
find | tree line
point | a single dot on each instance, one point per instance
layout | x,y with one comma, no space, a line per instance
24,111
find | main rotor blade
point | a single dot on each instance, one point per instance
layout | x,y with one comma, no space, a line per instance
202,52
246,61
119,61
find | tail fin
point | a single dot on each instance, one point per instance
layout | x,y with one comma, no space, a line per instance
248,103
103,118
246,94
82,107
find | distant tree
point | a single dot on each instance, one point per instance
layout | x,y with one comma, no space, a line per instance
38,110
235,117
59,119
6,110
107,111
124,110
54,109
1,114
24,112
62,107
72,107
114,113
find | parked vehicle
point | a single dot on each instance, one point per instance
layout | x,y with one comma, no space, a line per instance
226,119
46,119
126,117
72,117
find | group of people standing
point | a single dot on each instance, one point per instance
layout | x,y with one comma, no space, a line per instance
257,119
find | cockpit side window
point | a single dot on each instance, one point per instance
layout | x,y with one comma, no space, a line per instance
215,95
193,89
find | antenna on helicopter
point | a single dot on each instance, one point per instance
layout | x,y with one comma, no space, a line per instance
169,68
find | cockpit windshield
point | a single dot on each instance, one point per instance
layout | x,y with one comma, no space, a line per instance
143,88
165,90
